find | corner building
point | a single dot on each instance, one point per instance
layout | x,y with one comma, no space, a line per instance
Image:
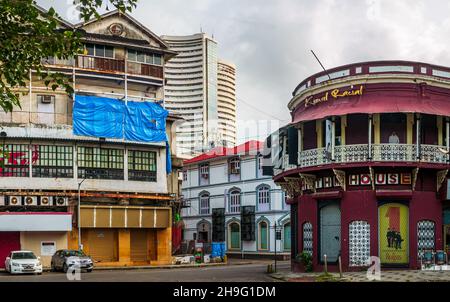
126,217
365,164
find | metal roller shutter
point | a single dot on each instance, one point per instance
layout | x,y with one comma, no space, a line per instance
139,249
9,241
103,245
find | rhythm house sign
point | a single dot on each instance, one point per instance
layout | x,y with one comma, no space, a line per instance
380,179
334,94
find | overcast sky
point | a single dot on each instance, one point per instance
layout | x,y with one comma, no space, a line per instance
270,40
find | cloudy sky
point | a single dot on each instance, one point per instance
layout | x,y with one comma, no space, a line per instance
270,40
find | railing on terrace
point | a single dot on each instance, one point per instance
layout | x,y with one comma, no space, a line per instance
360,153
107,65
377,68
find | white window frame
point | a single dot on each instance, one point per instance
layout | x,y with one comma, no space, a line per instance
235,166
263,194
204,171
204,204
235,202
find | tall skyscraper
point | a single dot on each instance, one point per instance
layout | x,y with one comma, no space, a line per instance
191,91
226,97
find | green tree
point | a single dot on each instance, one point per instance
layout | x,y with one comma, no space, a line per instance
29,34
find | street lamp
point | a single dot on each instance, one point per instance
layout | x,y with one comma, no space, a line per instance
80,248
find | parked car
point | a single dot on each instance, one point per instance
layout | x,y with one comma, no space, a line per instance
64,259
22,262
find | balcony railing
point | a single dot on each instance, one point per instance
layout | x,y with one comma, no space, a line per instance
102,64
360,153
108,65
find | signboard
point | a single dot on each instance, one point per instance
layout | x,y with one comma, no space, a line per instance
334,94
393,235
380,179
48,248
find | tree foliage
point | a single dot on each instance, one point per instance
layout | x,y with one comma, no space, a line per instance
28,35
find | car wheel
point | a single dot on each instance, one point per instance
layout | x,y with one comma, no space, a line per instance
10,270
89,270
52,267
65,268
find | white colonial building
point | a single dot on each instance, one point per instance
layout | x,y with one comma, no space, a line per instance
231,178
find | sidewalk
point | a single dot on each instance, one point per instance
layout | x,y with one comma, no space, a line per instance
171,266
386,276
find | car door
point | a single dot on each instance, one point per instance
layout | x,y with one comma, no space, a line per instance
55,259
59,260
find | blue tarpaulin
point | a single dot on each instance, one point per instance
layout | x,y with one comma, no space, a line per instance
113,118
218,249
98,117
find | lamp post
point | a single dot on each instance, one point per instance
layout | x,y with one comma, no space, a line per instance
80,248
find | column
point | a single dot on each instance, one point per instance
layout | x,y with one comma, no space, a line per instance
447,135
440,129
319,133
300,142
370,137
418,138
333,137
343,127
376,125
409,128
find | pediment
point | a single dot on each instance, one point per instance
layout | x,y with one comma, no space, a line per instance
122,25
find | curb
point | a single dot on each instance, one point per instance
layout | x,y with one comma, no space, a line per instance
202,265
107,268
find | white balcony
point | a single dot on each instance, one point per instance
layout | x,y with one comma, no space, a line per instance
360,153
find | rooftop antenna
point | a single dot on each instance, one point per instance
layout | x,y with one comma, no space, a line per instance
320,64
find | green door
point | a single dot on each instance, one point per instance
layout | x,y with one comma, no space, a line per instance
235,242
263,236
287,236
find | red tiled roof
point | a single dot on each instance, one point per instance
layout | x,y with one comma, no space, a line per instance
217,152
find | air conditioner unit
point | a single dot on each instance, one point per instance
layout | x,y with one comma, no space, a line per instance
46,99
46,201
61,201
15,201
2,200
30,201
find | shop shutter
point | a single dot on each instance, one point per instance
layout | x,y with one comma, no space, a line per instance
9,241
139,250
103,245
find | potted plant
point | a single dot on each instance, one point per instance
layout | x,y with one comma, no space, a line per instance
305,261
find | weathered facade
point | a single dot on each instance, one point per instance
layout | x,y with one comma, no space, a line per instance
365,163
126,202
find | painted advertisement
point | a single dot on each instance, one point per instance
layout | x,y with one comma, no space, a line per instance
393,224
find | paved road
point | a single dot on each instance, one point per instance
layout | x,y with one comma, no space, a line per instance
230,273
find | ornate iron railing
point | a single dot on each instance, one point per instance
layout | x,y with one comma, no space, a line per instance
360,153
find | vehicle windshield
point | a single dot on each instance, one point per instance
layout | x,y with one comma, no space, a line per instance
74,253
23,255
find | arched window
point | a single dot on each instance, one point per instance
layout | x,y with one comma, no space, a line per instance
235,201
359,243
263,235
204,207
263,195
425,236
308,238
234,235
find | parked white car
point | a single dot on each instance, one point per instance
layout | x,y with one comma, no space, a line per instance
22,262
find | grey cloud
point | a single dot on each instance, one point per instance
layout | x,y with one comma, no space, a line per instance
270,40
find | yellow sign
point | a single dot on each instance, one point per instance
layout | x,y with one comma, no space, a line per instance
394,243
335,94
